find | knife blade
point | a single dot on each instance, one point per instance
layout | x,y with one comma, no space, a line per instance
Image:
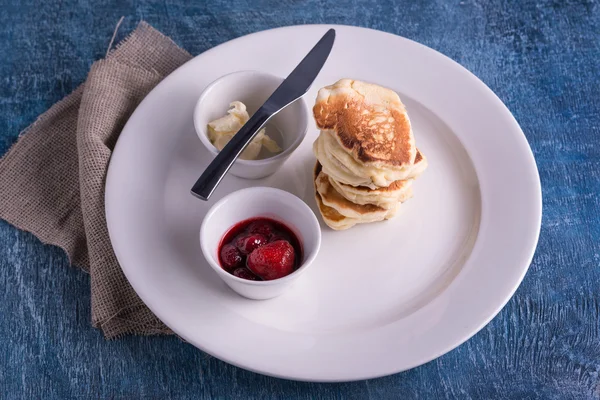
291,89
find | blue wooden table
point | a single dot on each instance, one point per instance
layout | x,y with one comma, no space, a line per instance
541,58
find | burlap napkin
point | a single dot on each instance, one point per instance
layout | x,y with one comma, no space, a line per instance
52,179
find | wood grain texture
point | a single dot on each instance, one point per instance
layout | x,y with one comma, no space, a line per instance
541,58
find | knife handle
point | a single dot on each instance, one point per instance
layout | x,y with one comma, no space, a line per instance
216,170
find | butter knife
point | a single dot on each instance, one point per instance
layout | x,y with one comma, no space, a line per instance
291,89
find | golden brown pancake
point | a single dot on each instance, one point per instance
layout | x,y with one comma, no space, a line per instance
341,165
332,218
382,197
340,213
385,197
369,122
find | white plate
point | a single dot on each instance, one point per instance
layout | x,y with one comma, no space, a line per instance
382,297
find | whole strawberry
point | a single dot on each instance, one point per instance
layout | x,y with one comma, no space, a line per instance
272,261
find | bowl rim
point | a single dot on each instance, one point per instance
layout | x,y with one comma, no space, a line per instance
261,191
204,137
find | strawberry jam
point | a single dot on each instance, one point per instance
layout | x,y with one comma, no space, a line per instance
260,249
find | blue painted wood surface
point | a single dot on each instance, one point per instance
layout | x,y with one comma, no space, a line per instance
541,58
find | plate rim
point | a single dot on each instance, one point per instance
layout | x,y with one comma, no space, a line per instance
533,237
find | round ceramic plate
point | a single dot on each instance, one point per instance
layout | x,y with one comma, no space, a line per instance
382,297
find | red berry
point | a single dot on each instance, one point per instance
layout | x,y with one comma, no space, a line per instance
245,273
272,261
231,257
246,243
261,226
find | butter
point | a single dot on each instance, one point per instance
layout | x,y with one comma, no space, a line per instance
222,130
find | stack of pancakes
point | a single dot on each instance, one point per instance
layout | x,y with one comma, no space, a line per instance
366,154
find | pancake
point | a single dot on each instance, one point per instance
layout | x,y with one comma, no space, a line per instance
335,168
365,128
332,218
341,166
387,197
340,213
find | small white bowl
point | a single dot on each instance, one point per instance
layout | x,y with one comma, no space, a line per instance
252,88
260,202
